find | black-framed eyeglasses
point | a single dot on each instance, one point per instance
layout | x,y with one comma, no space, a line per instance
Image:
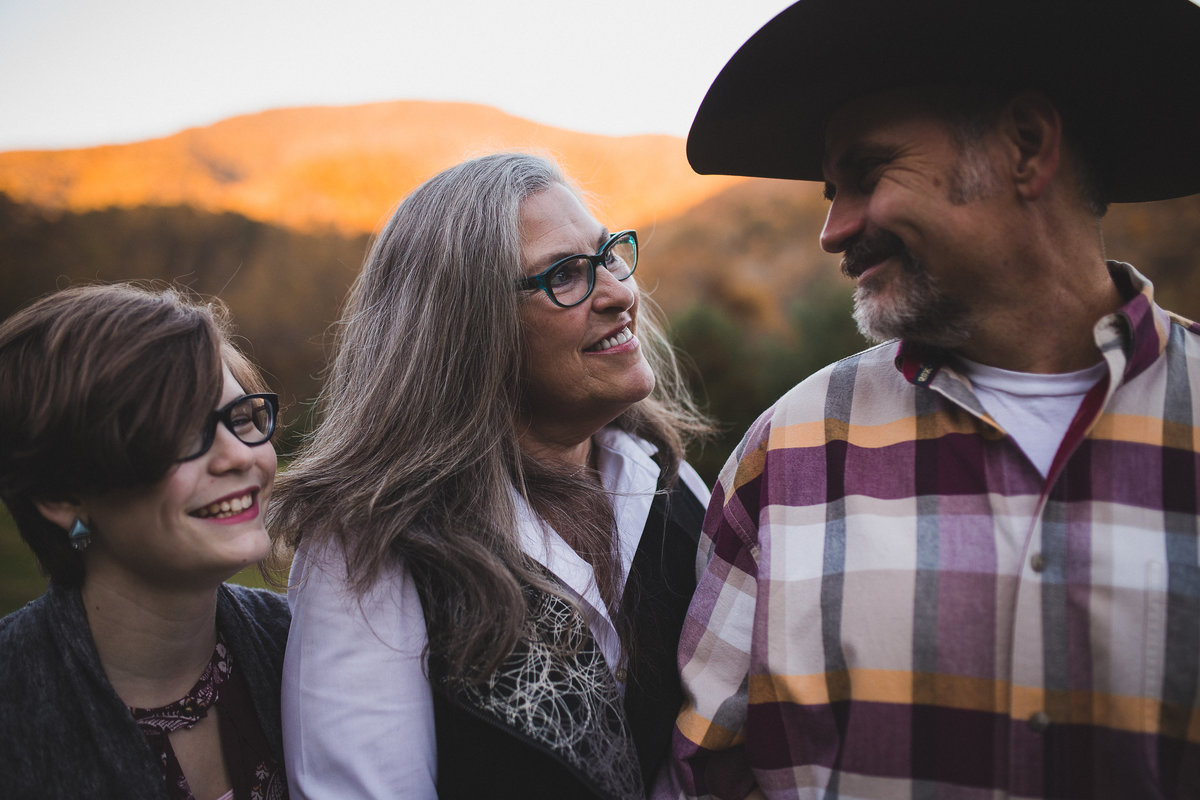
569,281
251,418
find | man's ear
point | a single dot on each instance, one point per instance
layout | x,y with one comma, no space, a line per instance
62,513
1032,128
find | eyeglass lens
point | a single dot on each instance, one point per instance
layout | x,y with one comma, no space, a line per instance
573,279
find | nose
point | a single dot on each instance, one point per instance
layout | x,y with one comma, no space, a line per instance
229,453
845,221
612,294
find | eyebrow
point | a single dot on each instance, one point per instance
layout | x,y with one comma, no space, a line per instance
845,162
550,261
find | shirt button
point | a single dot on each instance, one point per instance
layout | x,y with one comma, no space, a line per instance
1039,722
1038,562
622,674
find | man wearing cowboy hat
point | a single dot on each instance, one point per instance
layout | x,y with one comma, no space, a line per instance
964,563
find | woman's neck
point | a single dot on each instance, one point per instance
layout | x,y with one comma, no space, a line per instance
153,645
548,450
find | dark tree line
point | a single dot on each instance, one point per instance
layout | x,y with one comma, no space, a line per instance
751,301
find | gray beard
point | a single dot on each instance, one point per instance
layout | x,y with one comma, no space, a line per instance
920,311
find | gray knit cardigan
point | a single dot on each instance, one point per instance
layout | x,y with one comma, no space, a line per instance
64,733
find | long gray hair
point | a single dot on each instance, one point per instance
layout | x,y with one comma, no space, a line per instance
416,455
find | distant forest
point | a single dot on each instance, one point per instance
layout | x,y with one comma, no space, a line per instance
752,302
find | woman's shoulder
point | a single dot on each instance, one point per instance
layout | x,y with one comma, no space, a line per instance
37,622
40,646
264,611
692,479
260,601
20,630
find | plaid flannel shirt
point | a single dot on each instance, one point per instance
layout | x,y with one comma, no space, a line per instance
897,604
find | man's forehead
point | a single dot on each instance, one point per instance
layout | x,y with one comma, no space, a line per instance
879,119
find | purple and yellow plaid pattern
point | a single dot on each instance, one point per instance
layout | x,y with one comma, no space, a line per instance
897,604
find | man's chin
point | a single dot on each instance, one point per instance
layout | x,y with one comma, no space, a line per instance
881,319
871,327
874,320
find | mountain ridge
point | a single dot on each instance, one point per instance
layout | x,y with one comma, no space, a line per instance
345,167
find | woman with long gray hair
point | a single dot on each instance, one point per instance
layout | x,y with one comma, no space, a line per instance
495,528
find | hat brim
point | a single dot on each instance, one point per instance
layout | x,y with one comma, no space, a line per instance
1125,74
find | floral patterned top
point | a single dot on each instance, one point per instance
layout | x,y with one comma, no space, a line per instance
253,770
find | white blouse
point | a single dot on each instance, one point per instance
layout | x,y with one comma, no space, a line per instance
357,705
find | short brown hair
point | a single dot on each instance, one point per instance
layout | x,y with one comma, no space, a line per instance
100,387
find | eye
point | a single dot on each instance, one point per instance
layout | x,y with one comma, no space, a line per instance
568,274
243,421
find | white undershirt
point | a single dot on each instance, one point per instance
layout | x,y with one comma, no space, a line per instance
1034,409
357,706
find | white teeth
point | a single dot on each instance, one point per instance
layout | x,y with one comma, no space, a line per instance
226,508
622,337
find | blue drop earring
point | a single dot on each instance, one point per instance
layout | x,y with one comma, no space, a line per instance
79,535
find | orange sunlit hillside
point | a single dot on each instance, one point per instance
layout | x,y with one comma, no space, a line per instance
343,168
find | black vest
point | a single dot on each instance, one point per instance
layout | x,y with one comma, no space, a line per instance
554,728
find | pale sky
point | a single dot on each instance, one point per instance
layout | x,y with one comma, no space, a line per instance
76,73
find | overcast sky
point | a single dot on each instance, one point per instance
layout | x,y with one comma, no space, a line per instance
76,73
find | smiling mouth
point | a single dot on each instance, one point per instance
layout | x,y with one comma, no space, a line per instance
856,265
871,251
226,508
620,337
856,270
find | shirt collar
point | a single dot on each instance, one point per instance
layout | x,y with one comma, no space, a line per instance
1139,329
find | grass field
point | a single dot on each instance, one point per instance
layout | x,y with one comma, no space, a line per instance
22,581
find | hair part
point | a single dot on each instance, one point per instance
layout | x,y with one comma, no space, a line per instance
103,385
415,457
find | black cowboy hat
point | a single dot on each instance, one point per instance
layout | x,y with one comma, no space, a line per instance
1125,75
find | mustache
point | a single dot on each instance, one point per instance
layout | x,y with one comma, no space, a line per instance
872,248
